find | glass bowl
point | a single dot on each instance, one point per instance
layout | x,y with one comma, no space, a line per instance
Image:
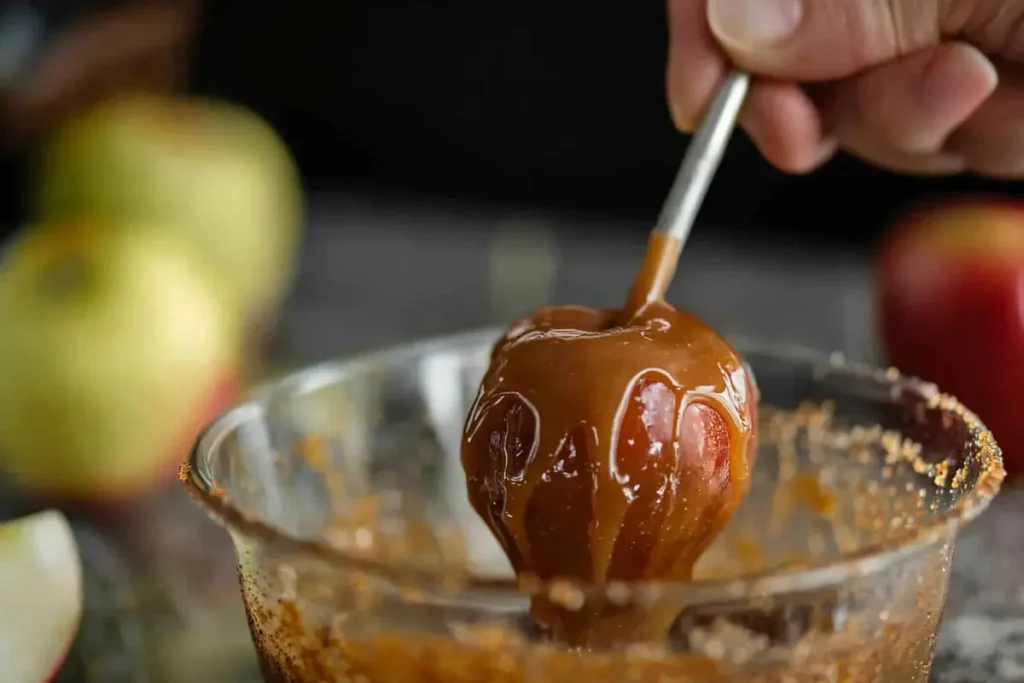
361,560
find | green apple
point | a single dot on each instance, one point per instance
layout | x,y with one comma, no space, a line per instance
40,596
115,351
216,173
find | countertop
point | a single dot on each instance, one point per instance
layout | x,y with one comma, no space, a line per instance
983,630
163,597
163,603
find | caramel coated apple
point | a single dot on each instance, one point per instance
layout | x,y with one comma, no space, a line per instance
601,451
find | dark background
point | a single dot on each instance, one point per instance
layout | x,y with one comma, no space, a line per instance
519,102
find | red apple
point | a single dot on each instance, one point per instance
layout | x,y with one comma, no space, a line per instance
949,283
115,351
40,596
214,173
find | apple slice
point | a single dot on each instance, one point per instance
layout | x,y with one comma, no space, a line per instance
40,596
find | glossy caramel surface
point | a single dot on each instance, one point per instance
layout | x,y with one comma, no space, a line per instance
603,451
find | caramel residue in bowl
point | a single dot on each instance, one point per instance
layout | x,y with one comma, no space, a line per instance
352,635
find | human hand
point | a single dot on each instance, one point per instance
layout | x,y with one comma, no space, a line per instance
918,86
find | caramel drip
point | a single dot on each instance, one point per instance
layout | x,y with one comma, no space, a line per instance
551,418
656,272
610,445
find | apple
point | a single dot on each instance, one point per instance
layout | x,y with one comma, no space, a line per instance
40,596
214,172
115,351
949,283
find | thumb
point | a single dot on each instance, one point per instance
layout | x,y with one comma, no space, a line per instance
812,40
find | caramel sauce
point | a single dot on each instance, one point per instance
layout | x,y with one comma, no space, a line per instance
314,621
610,445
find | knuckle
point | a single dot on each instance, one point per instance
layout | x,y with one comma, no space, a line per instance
995,26
908,25
1003,164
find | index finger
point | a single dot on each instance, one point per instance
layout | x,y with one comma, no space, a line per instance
696,64
782,121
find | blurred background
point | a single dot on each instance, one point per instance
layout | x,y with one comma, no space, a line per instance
196,195
427,134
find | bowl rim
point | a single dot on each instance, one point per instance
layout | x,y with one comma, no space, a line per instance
868,560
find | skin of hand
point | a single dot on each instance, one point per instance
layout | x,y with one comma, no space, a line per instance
928,87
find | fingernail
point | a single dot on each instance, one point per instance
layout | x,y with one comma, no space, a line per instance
961,76
945,163
684,126
679,117
754,23
826,150
815,159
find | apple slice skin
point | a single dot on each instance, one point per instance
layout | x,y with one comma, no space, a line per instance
949,287
61,662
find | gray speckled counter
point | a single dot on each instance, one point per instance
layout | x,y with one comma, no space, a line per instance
983,632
